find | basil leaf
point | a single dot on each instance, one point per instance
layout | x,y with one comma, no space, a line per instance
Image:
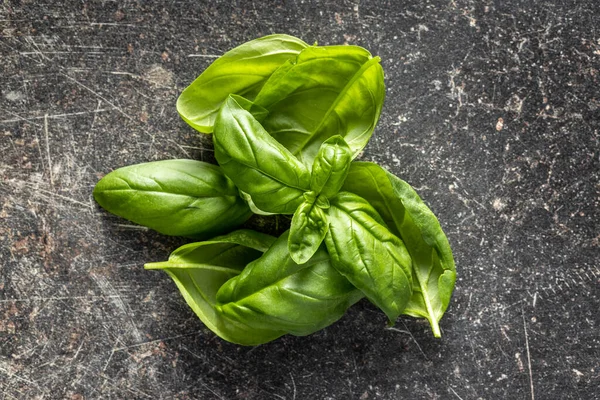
368,254
434,272
274,292
242,71
325,91
309,227
174,197
331,167
259,165
200,269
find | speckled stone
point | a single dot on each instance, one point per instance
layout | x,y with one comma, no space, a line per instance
492,113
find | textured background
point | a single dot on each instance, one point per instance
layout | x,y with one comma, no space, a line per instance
492,113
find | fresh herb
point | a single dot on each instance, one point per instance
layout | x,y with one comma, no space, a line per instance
287,121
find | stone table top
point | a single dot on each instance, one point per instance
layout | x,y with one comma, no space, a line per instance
492,114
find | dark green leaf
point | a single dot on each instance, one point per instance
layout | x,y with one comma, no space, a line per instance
200,269
368,254
325,91
309,227
408,217
242,71
331,167
259,165
174,197
274,292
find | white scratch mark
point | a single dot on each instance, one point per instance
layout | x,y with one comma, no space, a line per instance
468,305
29,53
294,386
51,116
106,287
88,141
19,118
132,390
212,391
38,190
37,139
120,110
108,361
453,391
407,331
112,24
32,299
78,350
155,341
48,150
528,354
180,147
17,377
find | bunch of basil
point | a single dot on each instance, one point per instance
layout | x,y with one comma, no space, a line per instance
287,121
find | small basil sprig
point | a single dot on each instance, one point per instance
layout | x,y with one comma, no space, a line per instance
174,197
288,120
311,220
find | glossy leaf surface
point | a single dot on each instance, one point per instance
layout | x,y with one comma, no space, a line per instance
200,269
408,217
309,227
274,292
242,71
331,167
368,254
174,197
325,91
259,165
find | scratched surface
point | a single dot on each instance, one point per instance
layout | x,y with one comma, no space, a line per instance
492,113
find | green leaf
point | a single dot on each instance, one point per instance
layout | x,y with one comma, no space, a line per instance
309,227
331,167
325,91
434,272
274,292
368,254
174,197
259,165
242,71
200,269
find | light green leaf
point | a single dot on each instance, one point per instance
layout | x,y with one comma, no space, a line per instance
174,197
242,71
200,269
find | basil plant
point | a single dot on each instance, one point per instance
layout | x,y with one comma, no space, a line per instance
287,121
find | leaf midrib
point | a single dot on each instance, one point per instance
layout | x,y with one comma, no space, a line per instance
274,283
256,167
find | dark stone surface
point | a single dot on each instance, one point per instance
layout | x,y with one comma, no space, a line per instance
88,86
